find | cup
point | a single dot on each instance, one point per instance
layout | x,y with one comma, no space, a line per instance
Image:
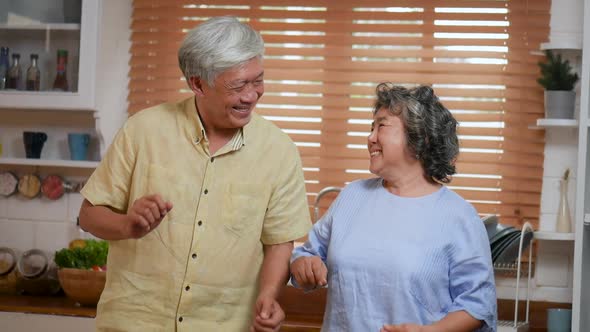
78,144
34,143
559,320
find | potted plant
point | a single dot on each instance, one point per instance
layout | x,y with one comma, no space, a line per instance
558,80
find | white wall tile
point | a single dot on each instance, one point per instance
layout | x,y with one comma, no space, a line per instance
3,203
547,222
550,195
74,202
52,236
561,150
36,209
17,234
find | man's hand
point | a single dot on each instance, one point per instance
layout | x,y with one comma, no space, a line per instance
145,214
309,272
404,328
268,316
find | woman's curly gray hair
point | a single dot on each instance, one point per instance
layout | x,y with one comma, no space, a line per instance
431,129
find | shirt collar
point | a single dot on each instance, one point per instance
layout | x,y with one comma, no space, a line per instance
196,130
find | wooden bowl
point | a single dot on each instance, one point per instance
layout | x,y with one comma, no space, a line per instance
82,286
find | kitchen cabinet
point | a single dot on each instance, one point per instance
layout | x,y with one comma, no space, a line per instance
42,28
581,263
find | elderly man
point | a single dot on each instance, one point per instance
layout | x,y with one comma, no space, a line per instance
201,199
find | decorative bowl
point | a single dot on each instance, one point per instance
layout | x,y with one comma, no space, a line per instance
82,286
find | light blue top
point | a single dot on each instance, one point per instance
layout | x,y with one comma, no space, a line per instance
394,260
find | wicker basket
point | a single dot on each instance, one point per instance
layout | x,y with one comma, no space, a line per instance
82,286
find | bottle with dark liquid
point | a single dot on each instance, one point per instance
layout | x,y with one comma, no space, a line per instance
61,81
33,74
14,73
4,65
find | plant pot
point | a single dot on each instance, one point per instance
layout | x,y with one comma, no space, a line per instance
559,104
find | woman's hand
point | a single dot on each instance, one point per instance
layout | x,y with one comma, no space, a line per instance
145,214
310,272
404,328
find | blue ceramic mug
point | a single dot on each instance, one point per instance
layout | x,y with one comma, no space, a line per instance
78,144
559,320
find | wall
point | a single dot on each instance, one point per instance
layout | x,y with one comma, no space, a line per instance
50,225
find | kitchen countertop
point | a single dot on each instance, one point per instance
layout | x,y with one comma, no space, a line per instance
61,305
49,305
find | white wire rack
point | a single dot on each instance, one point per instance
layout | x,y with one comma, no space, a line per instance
516,325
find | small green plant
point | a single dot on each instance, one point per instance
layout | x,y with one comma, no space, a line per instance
556,73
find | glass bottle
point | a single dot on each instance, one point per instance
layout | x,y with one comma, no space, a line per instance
14,73
4,65
61,81
8,273
37,273
33,74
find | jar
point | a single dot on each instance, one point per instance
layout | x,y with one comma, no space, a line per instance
8,273
37,273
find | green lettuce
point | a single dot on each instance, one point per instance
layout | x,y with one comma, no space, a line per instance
93,254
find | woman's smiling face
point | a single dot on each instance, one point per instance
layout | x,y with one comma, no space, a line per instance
387,143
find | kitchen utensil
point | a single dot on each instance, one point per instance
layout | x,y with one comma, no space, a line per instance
34,143
78,144
8,184
491,223
53,187
29,185
504,243
82,286
510,253
501,231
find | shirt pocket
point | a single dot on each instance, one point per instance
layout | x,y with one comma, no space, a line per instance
244,207
163,181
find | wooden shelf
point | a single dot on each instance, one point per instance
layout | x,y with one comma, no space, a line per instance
49,162
42,26
554,236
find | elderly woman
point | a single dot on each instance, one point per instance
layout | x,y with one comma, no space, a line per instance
402,252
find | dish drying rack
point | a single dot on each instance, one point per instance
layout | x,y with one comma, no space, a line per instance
516,325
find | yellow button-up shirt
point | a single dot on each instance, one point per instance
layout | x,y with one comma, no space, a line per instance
198,270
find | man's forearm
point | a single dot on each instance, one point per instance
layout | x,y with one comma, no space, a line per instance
274,273
102,222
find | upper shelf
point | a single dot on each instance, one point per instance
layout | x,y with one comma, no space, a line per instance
49,162
48,100
42,26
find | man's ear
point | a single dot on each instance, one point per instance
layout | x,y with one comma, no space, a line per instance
196,85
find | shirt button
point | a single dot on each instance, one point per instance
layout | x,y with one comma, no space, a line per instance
180,319
187,288
206,191
194,256
212,159
200,223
